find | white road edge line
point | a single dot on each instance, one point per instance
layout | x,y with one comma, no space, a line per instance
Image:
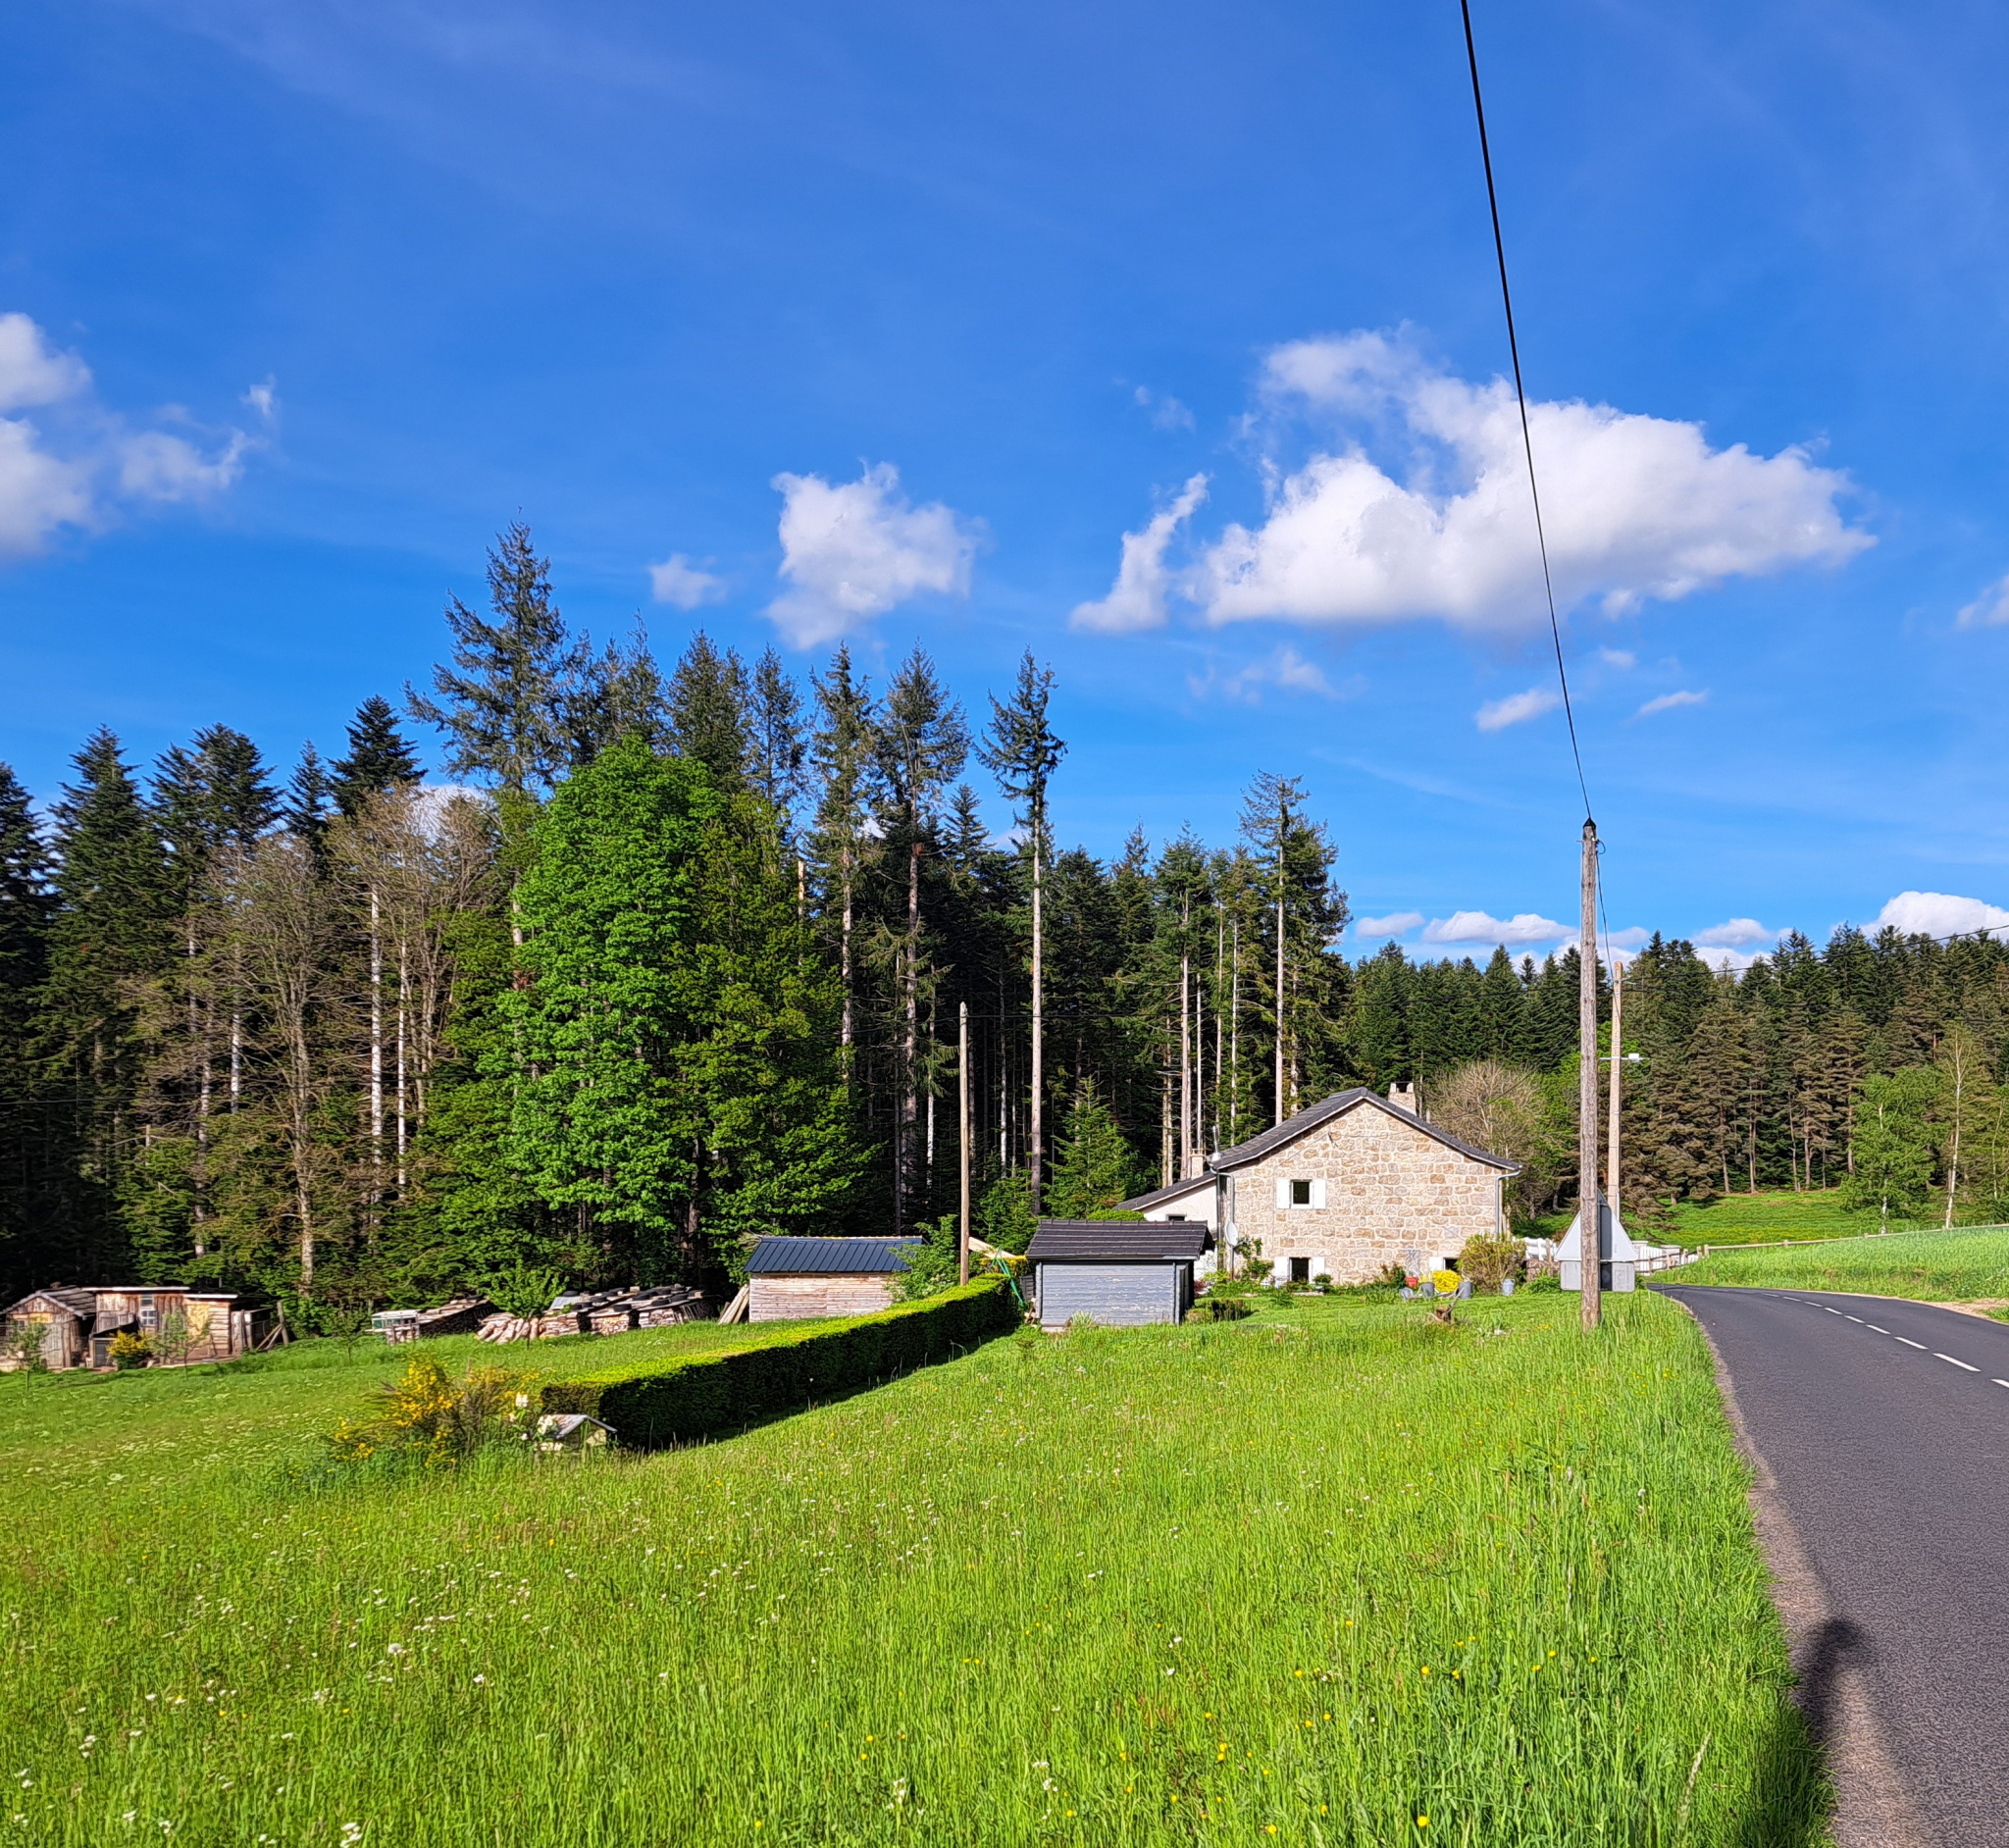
2000,1382
1858,1320
1951,1361
1831,1311
1872,1326
1910,1343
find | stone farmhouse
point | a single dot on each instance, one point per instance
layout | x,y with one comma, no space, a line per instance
1344,1189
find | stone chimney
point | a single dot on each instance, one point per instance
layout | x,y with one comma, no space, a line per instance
1406,1097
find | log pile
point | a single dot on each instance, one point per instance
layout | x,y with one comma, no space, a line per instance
606,1312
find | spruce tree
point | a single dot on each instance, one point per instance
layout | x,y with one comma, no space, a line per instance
112,929
503,703
379,758
308,799
31,1170
1093,1166
708,713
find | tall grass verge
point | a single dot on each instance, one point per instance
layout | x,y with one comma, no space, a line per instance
1312,1578
1957,1267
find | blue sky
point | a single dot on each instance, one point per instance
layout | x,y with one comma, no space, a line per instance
899,319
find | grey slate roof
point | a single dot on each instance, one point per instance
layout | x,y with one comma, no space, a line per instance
1158,1196
1118,1241
813,1257
1341,1102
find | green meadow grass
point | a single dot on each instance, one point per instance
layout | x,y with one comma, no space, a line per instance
1957,1267
1329,1575
1744,1218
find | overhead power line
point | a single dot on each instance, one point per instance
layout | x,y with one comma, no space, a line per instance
1520,398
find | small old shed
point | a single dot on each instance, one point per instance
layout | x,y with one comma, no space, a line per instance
795,1279
1116,1271
78,1323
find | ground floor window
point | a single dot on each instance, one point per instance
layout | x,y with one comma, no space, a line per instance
1301,1271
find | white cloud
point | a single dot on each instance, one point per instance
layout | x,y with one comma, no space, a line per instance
1633,937
1137,599
155,466
1733,934
1636,507
1941,914
263,398
1284,668
1722,957
855,551
679,582
1667,701
1989,610
1395,924
1621,659
1166,412
31,370
1497,714
77,466
1482,927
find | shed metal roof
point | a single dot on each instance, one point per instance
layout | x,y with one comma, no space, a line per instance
1341,1102
1118,1241
794,1257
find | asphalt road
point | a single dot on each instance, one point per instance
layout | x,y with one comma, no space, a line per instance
1883,1428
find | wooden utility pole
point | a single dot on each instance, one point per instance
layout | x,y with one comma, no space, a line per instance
962,1142
1590,1242
1617,1061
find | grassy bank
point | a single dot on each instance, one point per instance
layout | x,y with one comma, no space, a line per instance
1743,1219
1957,1267
1312,1577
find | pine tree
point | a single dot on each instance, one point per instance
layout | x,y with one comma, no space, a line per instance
708,711
112,929
29,1190
308,799
1021,750
379,758
842,746
776,749
504,704
1092,1165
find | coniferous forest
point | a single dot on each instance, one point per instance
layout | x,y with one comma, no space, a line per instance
682,955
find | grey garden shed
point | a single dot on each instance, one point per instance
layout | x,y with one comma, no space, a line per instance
1120,1272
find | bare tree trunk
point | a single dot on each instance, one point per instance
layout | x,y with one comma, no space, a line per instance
376,1047
903,1142
1235,1039
403,1013
1185,1067
1165,1164
1219,944
843,950
1958,1061
1280,1105
1035,1166
199,1032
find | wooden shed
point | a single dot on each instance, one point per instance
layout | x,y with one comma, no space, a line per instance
79,1322
1116,1271
792,1279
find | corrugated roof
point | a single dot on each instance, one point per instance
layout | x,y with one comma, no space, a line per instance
1341,1102
1158,1196
810,1256
1118,1241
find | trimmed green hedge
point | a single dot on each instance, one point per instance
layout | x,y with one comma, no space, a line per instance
723,1392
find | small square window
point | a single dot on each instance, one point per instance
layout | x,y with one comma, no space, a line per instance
1301,1192
1301,1271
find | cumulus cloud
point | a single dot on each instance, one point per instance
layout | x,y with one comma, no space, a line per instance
1723,956
1733,934
1482,927
1166,412
263,398
1395,924
1637,507
1941,914
82,464
1497,714
1283,668
1989,610
1137,599
1621,659
1667,701
677,580
1633,937
856,549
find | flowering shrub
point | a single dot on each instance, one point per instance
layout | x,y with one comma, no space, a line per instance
129,1351
1445,1282
434,1418
1490,1261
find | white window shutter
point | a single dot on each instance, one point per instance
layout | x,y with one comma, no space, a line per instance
1318,1192
1283,1193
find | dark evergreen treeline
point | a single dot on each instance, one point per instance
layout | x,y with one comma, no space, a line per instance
687,957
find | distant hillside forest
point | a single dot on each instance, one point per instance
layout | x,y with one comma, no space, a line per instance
683,960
